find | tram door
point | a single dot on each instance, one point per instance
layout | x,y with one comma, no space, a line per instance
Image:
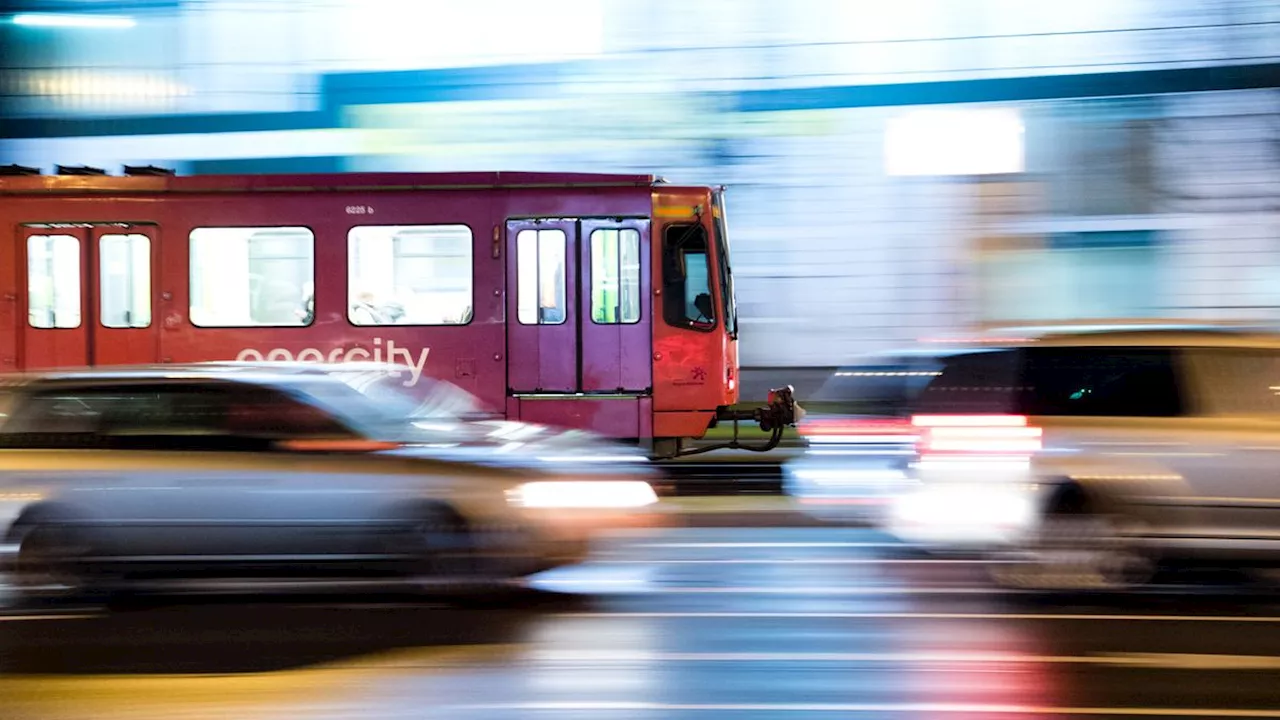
578,310
86,295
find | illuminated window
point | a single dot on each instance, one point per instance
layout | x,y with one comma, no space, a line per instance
954,142
409,275
125,262
252,277
540,286
53,281
615,276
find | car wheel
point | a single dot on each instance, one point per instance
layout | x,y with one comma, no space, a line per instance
1077,551
442,543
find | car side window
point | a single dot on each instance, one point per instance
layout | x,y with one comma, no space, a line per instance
57,412
169,417
1101,382
163,411
270,414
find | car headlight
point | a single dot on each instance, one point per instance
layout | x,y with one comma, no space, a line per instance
584,494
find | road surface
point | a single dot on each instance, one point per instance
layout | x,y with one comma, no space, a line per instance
701,623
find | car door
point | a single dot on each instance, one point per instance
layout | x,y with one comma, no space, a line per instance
187,469
242,495
1118,418
1237,400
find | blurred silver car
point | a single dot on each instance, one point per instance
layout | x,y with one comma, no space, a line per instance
222,475
1088,459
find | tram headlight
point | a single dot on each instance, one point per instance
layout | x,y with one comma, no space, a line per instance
585,494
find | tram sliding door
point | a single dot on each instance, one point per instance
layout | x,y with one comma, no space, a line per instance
577,316
616,341
87,292
542,326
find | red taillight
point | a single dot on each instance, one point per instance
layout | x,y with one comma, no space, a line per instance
860,431
980,434
729,378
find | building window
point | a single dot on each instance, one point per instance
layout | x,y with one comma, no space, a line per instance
687,278
53,281
125,264
252,277
1098,157
540,282
1066,276
409,275
615,276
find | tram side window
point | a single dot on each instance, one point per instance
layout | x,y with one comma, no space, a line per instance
252,276
615,276
540,284
409,275
53,281
125,288
686,276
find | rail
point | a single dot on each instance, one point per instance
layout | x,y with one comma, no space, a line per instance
706,479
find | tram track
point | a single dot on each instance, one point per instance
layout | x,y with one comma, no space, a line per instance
712,479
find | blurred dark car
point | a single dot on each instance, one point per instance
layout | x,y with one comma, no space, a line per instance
859,437
226,475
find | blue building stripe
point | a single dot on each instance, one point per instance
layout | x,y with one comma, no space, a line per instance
1052,87
281,165
505,82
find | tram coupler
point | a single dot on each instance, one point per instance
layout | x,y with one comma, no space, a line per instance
782,411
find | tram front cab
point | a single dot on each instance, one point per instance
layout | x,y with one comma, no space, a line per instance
695,358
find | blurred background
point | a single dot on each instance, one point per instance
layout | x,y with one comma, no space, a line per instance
897,170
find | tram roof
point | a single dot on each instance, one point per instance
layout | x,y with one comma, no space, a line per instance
159,183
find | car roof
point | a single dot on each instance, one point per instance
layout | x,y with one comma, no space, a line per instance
257,373
1161,338
1151,333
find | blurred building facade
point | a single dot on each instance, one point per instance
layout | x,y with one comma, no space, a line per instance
896,170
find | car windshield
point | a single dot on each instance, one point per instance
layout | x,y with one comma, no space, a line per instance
426,399
883,384
377,400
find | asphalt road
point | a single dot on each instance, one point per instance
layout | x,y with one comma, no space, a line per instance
692,623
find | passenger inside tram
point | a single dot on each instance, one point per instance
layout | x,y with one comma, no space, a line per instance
369,310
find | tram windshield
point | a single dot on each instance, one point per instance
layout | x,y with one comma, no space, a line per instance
724,271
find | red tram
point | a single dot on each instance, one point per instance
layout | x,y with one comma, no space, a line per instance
603,302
